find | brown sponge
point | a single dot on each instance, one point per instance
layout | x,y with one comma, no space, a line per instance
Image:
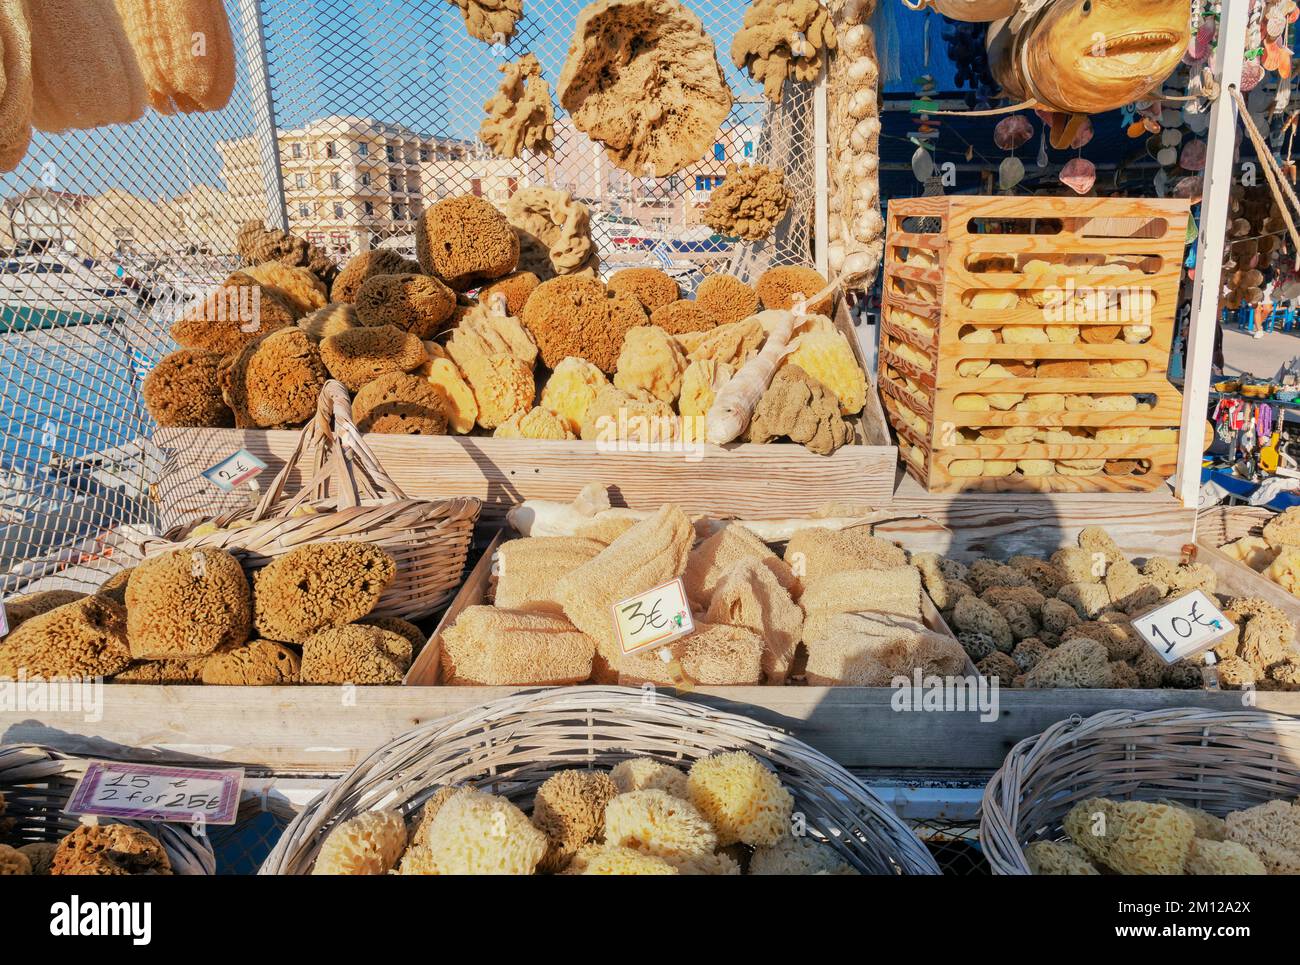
579,316
317,586
274,382
187,603
515,288
237,312
182,390
179,74
651,287
109,849
414,303
726,298
355,654
401,404
360,355
679,317
19,609
377,261
570,810
16,91
84,638
491,646
84,72
464,240
258,663
778,286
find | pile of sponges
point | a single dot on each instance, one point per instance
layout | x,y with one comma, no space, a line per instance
100,849
1275,552
194,616
1067,621
727,815
1168,838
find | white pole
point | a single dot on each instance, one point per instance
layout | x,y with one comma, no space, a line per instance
259,89
821,160
1221,150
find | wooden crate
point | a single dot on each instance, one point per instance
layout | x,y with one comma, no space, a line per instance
937,269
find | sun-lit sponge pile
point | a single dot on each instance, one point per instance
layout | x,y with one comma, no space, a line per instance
329,320
554,232
643,817
1066,621
527,570
356,356
369,844
1169,838
186,604
1275,553
109,849
302,288
182,391
258,244
464,241
86,637
576,316
317,586
237,312
419,304
780,287
681,317
749,204
275,381
361,268
398,403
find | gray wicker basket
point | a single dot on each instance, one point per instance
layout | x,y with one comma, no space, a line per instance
37,782
1215,761
511,746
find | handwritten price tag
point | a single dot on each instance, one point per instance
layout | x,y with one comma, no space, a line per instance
147,792
653,618
234,470
1183,626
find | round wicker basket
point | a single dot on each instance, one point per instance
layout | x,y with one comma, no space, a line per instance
511,746
348,496
1215,761
36,783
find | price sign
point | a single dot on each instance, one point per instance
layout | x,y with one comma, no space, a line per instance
234,470
653,618
1183,626
147,792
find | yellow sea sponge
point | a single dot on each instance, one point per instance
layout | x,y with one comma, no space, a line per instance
258,663
536,423
491,646
828,358
726,298
183,390
487,332
300,287
554,232
187,603
355,654
798,856
571,390
402,404
649,286
369,844
701,383
607,860
475,833
502,384
651,362
454,393
317,586
1272,832
617,416
1222,858
1058,858
647,774
743,800
356,356
732,344
464,240
570,810
655,822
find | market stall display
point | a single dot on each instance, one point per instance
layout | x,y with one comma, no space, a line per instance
596,802
1195,793
37,837
1016,357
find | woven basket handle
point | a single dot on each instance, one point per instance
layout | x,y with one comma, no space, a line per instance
339,455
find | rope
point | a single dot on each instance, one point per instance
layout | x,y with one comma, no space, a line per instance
1270,163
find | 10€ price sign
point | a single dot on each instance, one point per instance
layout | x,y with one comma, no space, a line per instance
653,618
234,470
148,792
1184,626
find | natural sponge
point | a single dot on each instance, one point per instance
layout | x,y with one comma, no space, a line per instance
536,423
1271,831
109,849
502,383
494,647
14,862
464,240
569,809
300,287
258,663
554,232
814,552
187,603
400,403
257,244
799,408
783,39
355,654
419,304
647,774
1058,858
714,655
798,856
749,204
519,114
491,21
528,569
317,586
377,261
455,395
729,549
651,287
359,355
475,833
329,320
235,313
726,298
580,317
84,638
1132,837
827,358
743,800
642,79
606,860
182,390
655,822
274,382
1078,662
571,389
369,844
650,362
16,71
872,650
178,74
750,596
777,288
1222,858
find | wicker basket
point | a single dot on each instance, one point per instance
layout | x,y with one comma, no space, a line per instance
1216,761
37,782
1223,524
353,499
511,746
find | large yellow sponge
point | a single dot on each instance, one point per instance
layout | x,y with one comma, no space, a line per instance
743,800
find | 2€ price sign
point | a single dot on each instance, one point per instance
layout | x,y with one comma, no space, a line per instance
147,792
1184,626
653,618
234,470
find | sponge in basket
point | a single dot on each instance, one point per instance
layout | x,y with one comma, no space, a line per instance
742,799
570,809
490,646
317,586
475,833
369,844
657,823
187,603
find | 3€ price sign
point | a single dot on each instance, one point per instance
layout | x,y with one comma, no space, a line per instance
234,470
148,792
1184,626
653,618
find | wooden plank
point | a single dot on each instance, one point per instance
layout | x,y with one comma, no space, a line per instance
328,729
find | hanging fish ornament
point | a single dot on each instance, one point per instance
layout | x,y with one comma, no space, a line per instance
1010,173
1012,131
922,164
1079,175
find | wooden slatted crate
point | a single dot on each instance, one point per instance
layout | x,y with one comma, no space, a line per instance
1061,310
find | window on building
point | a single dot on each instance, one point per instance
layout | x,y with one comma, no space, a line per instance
304,211
397,212
424,154
300,181
336,180
749,149
338,209
390,153
297,150
365,180
392,183
363,148
719,152
331,149
370,208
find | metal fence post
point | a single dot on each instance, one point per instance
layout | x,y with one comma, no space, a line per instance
259,82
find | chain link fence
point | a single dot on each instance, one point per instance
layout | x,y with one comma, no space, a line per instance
108,234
